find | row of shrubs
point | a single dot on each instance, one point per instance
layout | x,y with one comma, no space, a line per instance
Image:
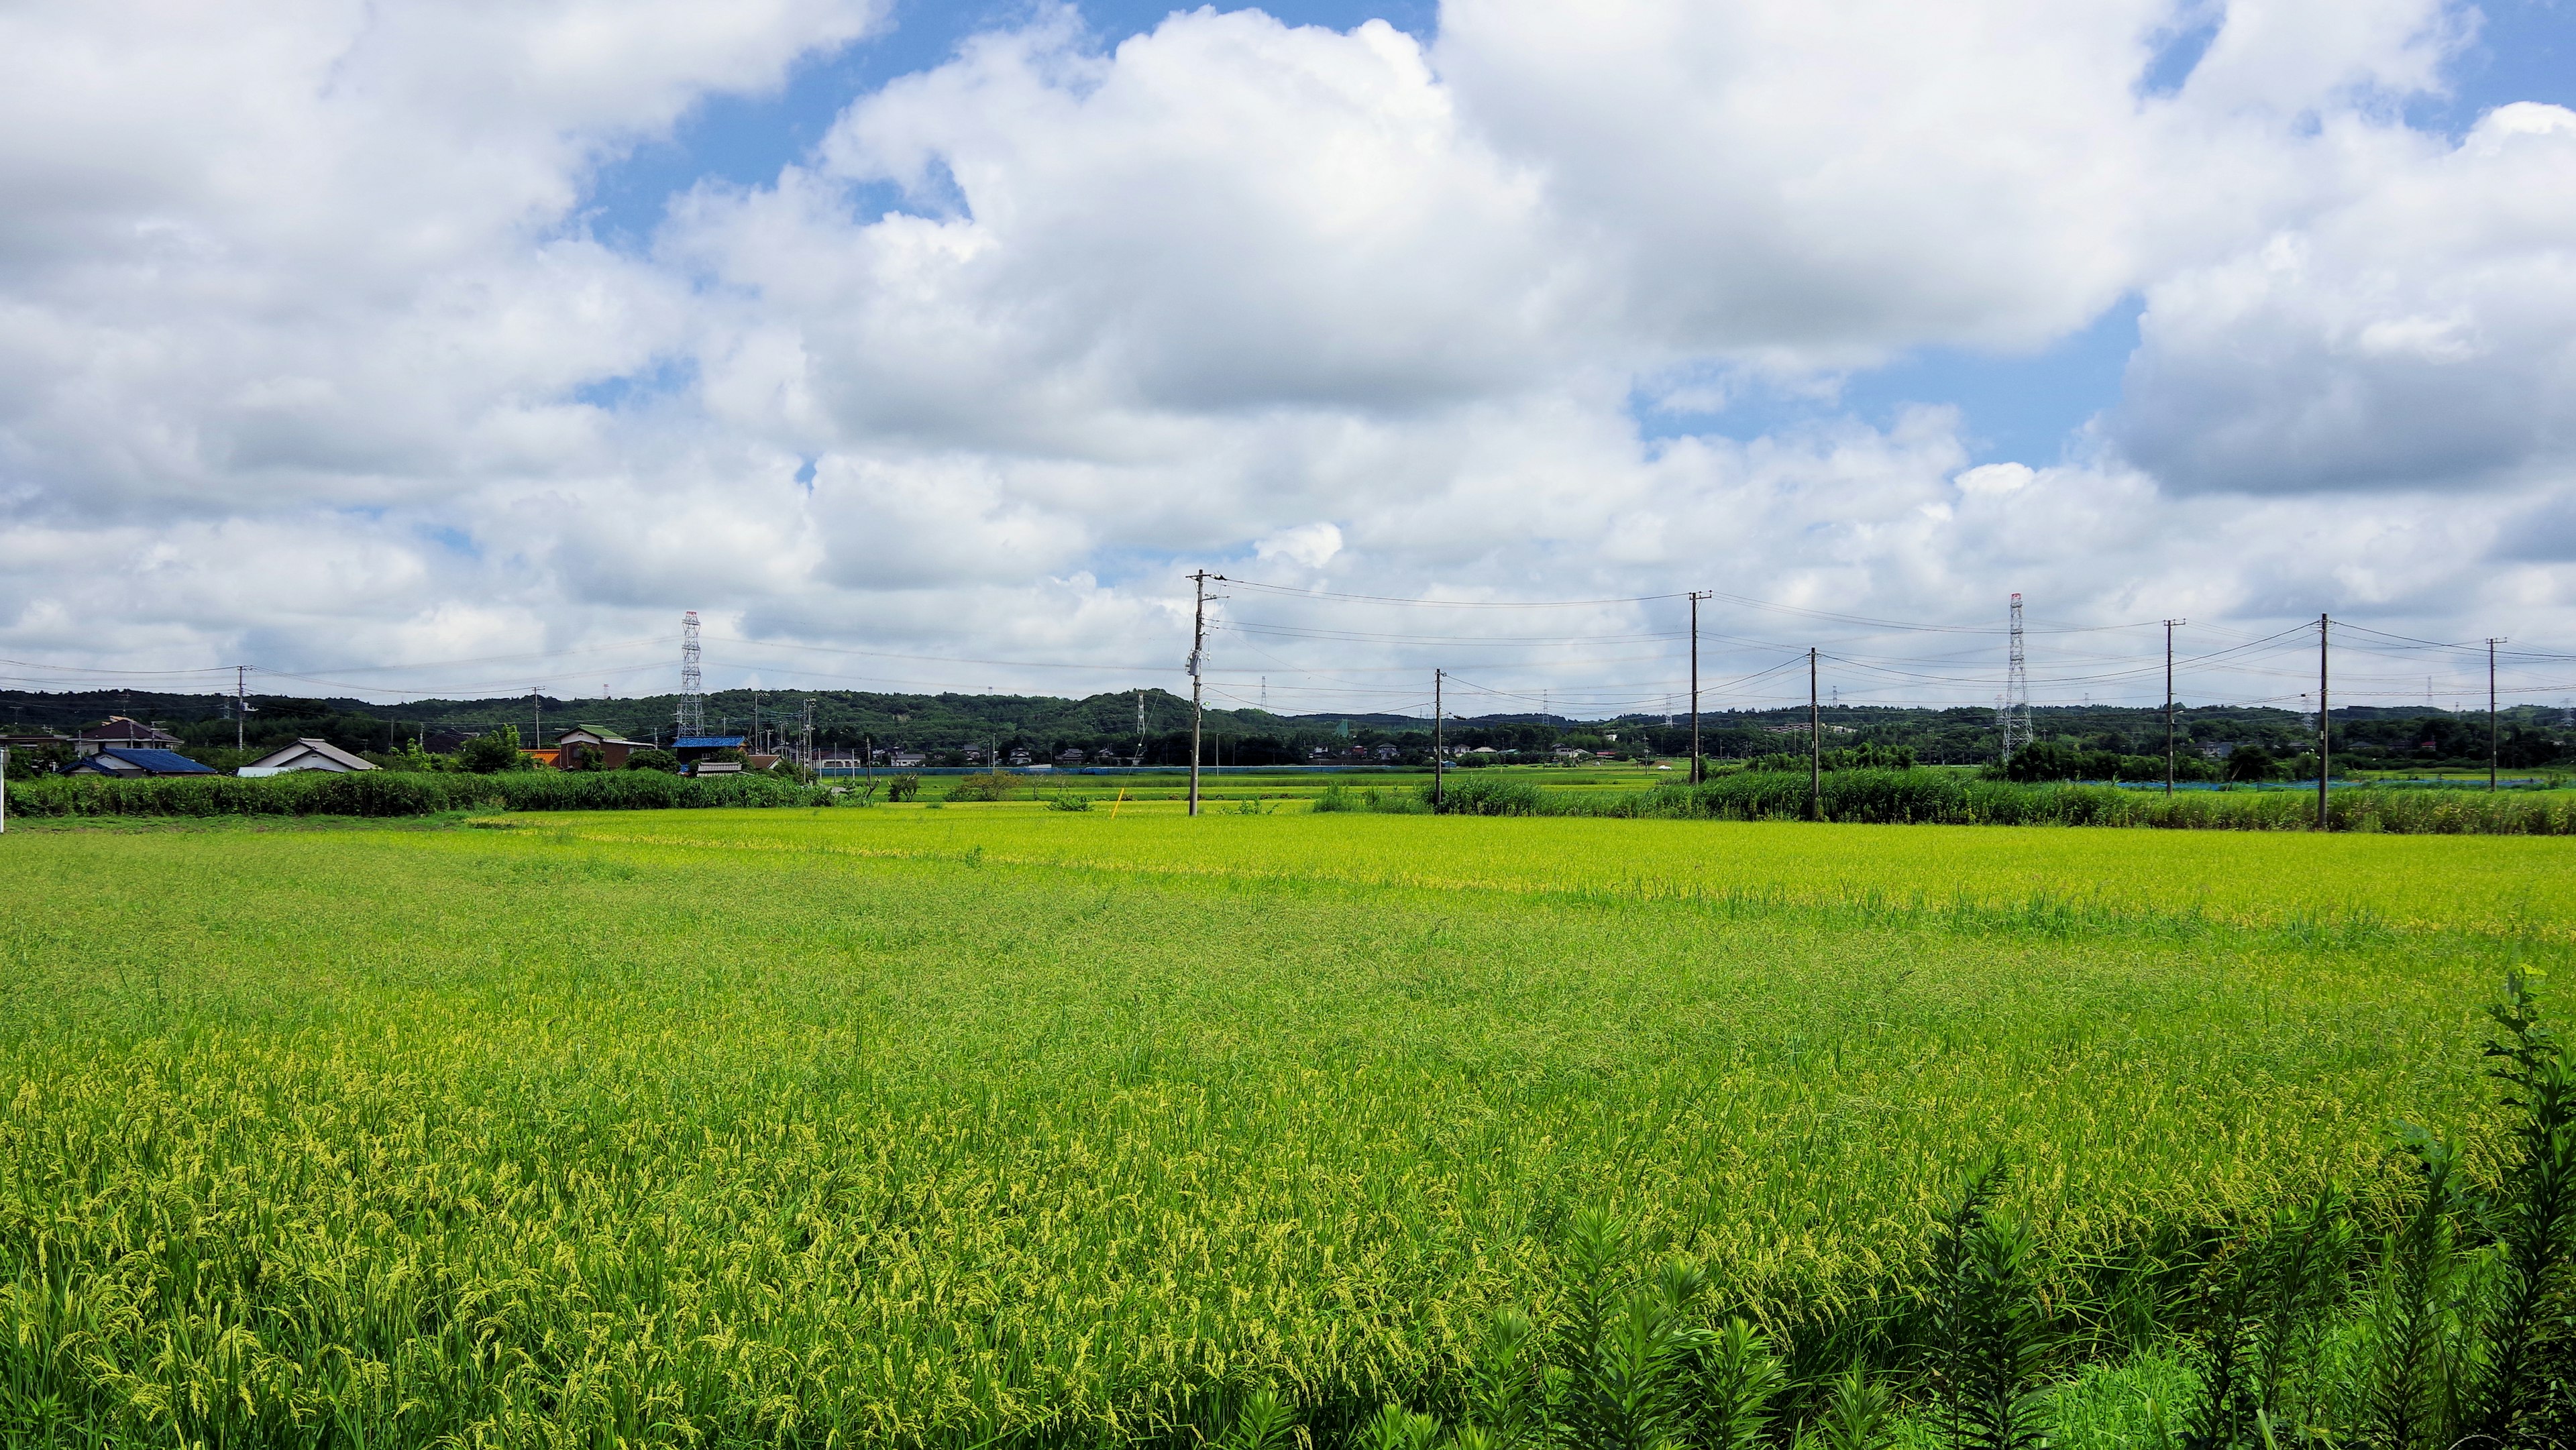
403,793
1940,797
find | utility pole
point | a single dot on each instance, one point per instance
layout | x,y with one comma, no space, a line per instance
1815,746
808,743
537,702
241,701
1198,651
2169,704
1140,727
1698,767
2325,724
2494,734
1439,756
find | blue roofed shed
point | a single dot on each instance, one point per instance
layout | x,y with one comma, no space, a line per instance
130,763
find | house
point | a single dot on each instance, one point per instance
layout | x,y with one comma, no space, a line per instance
305,755
119,733
1069,758
1389,754
906,759
1021,756
31,740
127,764
612,747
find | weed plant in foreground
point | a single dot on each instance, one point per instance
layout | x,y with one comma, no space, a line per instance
782,1130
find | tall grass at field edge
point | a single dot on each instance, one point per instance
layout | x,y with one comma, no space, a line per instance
1934,797
401,793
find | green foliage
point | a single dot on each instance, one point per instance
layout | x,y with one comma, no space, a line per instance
991,785
27,764
906,786
1489,795
1068,801
493,752
1852,757
1950,797
2252,763
399,793
584,758
653,759
2527,1334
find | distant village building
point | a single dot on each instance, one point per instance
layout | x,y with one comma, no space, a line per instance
693,751
306,755
120,733
1021,756
120,762
907,759
613,748
1068,758
1389,754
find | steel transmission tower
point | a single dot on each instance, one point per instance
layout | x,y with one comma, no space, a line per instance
693,695
2012,715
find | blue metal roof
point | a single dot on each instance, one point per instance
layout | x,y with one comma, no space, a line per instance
156,762
707,742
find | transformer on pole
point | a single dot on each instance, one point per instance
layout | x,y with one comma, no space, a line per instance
693,695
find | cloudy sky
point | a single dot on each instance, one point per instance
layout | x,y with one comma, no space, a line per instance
459,347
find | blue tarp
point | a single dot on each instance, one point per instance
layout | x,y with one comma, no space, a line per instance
150,762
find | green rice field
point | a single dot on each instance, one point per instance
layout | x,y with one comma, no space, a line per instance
995,1124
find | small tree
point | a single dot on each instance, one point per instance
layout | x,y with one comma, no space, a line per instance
2252,762
493,752
661,760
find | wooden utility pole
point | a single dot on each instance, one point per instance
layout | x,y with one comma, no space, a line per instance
1198,649
2169,704
1815,746
1698,767
2325,724
537,702
2494,733
1439,755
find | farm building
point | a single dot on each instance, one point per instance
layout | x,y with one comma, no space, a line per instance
116,760
612,747
306,755
120,733
698,747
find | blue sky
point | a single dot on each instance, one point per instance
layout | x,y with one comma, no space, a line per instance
2028,406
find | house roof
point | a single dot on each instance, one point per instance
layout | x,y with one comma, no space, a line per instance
324,748
150,762
707,742
118,727
594,735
